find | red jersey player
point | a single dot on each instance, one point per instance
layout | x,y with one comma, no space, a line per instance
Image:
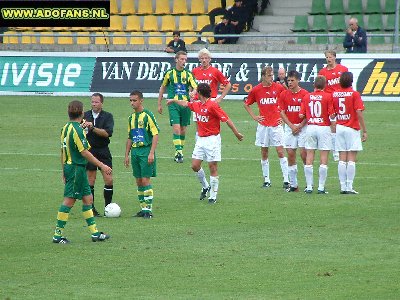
269,129
349,109
317,108
208,145
289,105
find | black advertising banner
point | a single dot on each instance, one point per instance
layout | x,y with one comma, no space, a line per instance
375,77
24,13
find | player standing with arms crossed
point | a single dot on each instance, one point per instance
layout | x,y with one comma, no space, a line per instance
289,105
180,84
269,129
208,145
349,109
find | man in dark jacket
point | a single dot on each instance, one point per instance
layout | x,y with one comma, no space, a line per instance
355,40
224,28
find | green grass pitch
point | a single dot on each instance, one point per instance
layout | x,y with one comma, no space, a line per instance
253,244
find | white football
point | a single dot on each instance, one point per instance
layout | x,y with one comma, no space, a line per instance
112,210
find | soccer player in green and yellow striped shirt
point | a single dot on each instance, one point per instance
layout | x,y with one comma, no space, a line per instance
74,156
180,84
142,141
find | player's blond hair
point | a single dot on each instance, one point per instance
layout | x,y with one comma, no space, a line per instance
333,52
205,51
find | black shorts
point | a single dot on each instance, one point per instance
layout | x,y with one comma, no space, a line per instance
103,155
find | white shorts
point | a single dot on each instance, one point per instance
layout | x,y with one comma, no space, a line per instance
347,139
293,141
194,117
318,137
208,148
268,136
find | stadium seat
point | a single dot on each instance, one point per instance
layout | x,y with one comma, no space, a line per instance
338,39
304,40
65,38
212,4
197,7
155,38
202,21
136,38
128,7
318,7
336,7
179,7
374,23
373,7
389,7
354,7
83,38
119,38
162,7
185,23
133,23
189,37
319,23
28,37
377,40
338,23
322,39
144,7
10,37
102,38
168,23
114,7
150,23
300,24
116,23
390,21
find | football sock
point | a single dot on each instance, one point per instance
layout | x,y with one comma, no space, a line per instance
342,169
308,172
284,167
323,173
177,143
87,213
202,178
292,174
182,138
214,182
351,173
148,198
140,194
108,194
92,191
265,170
62,218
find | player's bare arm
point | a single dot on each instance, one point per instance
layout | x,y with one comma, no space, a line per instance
160,97
179,102
257,118
232,126
127,151
89,156
362,125
154,143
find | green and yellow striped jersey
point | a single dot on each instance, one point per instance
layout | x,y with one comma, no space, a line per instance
73,142
178,83
142,126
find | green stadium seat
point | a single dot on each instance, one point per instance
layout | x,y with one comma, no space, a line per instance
354,7
319,23
304,40
300,24
338,39
389,7
318,7
322,39
336,7
338,23
377,40
375,23
390,21
373,7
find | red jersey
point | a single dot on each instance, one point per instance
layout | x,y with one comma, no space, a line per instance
290,103
267,101
346,101
332,77
208,115
212,76
317,107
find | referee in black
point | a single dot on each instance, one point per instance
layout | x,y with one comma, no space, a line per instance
100,126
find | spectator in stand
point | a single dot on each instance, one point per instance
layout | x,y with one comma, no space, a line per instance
177,44
238,16
252,9
355,40
264,4
282,78
224,28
